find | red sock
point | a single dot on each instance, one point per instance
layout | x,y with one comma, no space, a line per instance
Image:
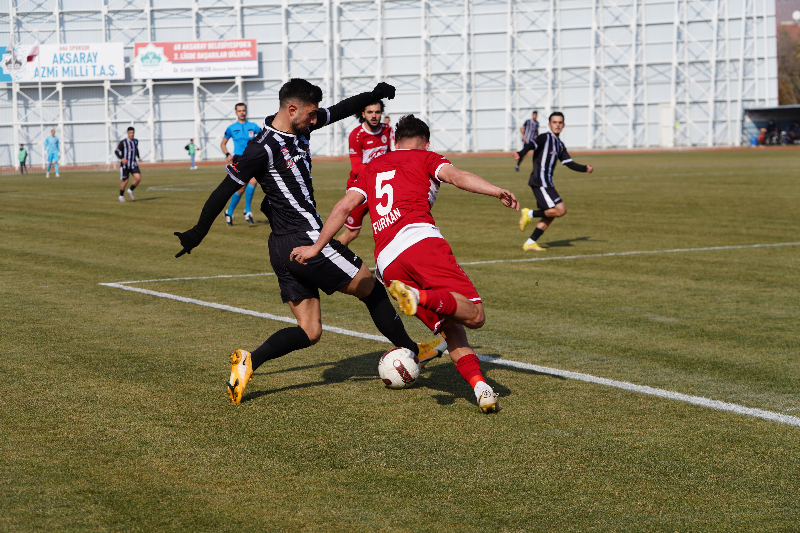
470,369
440,302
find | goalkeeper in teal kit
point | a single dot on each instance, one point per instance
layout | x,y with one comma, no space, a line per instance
51,148
241,132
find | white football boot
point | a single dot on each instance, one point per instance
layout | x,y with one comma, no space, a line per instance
488,401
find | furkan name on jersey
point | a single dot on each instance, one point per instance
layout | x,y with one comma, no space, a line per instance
386,221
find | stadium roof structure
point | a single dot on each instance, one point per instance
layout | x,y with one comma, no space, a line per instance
782,113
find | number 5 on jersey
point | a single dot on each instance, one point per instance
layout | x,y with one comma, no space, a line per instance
385,190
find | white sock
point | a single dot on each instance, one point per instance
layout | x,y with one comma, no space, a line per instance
530,241
415,291
480,387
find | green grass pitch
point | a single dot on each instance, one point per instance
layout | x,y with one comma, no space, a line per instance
115,416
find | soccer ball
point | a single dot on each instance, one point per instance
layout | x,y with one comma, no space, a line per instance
399,368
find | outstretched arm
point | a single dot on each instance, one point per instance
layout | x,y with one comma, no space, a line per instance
253,161
211,210
350,106
473,183
572,165
527,147
333,224
567,161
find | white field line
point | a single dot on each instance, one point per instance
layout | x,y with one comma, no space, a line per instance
641,389
526,260
242,311
644,389
185,279
645,252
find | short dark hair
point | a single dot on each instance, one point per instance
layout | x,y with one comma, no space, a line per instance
239,104
130,128
409,127
359,115
534,111
555,114
298,89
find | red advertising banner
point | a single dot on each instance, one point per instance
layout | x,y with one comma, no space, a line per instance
190,59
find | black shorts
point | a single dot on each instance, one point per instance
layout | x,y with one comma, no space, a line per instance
330,270
546,197
124,171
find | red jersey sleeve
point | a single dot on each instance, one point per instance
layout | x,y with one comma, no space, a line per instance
359,183
434,162
356,155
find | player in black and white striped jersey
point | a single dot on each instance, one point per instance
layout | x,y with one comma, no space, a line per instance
128,153
280,159
547,148
529,131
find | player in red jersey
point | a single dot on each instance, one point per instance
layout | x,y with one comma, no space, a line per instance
410,252
369,140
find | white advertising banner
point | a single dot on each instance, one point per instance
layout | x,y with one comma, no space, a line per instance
195,59
63,62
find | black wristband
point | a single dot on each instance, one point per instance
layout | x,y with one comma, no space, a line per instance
227,154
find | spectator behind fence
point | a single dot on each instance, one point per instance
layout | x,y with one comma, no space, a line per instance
793,134
772,136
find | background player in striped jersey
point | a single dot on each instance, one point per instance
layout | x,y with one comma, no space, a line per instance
547,147
241,131
280,159
529,131
128,153
427,282
51,148
369,140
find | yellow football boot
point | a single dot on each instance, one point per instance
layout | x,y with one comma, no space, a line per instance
524,218
430,350
241,374
533,247
407,298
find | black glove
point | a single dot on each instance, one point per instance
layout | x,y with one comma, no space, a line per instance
189,239
383,90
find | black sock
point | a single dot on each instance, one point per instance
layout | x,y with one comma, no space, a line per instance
536,234
132,187
537,213
386,319
279,344
122,192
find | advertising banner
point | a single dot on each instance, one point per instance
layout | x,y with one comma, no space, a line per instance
195,59
62,62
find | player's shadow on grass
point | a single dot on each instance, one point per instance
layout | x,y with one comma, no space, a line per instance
566,243
150,199
440,376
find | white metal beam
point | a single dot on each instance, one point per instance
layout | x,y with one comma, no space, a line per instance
508,123
424,72
592,78
712,92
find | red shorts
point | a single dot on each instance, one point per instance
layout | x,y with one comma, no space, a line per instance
356,217
430,264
